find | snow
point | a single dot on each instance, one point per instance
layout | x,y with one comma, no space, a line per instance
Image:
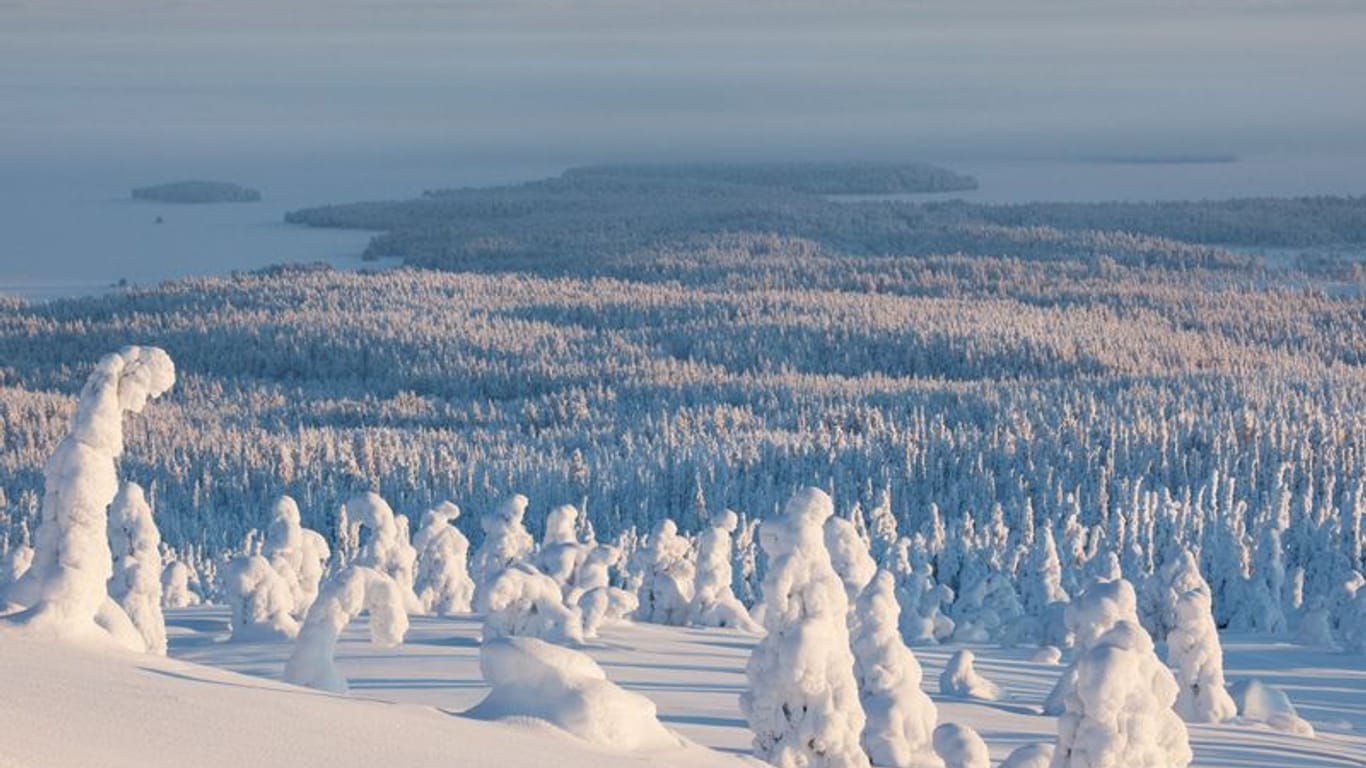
261,600
534,679
388,549
506,540
666,590
1030,756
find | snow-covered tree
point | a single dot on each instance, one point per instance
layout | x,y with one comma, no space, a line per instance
900,718
261,601
1101,606
175,586
65,589
960,747
713,602
506,540
443,580
522,601
560,548
597,599
1119,710
960,678
923,621
136,582
283,548
339,601
667,587
1193,648
802,701
850,556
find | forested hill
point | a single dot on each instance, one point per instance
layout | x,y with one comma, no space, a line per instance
591,218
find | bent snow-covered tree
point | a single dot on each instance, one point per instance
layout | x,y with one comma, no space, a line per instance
65,590
388,549
136,583
523,602
803,701
342,599
901,718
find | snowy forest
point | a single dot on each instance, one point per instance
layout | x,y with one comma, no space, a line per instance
836,430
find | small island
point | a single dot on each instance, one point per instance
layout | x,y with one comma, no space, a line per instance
197,192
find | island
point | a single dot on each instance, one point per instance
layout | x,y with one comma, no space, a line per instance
197,192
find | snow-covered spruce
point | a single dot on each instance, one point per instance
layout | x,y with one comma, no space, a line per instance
598,601
714,604
850,556
175,586
65,589
388,549
668,571
802,701
506,540
283,548
900,718
923,621
1101,606
987,609
523,602
339,601
960,678
1193,649
1044,600
560,548
261,601
443,579
530,678
1118,711
136,583
960,747
1353,624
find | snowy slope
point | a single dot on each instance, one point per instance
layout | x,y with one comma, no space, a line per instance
695,677
71,708
64,707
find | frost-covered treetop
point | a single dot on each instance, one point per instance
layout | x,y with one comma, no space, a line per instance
123,381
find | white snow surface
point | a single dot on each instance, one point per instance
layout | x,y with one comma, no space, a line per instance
211,718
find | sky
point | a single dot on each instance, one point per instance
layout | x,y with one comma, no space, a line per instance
560,79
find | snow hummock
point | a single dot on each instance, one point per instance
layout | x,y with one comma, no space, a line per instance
901,717
1030,756
65,589
1258,702
533,679
802,701
961,679
342,599
960,747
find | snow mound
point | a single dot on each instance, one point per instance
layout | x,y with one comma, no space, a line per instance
1261,703
960,747
1048,654
534,679
961,679
1030,756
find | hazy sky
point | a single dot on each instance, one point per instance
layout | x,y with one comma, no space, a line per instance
596,79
